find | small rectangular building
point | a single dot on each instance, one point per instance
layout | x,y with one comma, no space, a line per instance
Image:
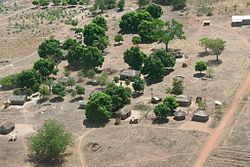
238,21
123,114
184,101
129,74
18,99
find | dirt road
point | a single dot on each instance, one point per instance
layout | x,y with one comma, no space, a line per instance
215,138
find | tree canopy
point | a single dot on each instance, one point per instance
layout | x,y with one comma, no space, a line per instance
58,89
147,31
154,68
29,79
139,84
154,10
134,57
166,58
44,67
200,66
162,111
177,86
51,140
100,21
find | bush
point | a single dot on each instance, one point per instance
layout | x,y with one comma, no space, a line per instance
58,89
9,82
154,10
118,38
127,82
136,40
51,140
177,87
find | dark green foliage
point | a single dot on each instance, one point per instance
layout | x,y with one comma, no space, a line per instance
75,56
138,84
121,4
130,21
171,103
28,92
58,89
178,87
166,58
134,57
35,2
100,21
147,31
118,38
51,140
70,43
162,111
154,10
44,67
120,96
142,3
29,79
43,2
200,66
56,2
93,33
80,90
178,4
98,107
72,2
154,68
50,49
136,40
9,82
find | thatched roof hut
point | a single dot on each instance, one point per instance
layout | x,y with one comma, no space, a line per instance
200,116
123,114
18,99
7,128
179,115
129,74
184,101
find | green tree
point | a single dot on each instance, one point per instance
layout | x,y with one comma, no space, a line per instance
51,140
166,58
147,31
90,73
171,103
43,2
92,57
121,4
102,79
56,2
44,67
70,43
80,90
205,42
143,3
120,96
71,82
35,2
72,2
154,10
200,66
92,33
217,46
118,38
178,4
154,68
58,89
178,87
50,49
29,79
139,84
75,56
9,82
136,40
173,30
162,111
100,21
44,91
98,107
134,57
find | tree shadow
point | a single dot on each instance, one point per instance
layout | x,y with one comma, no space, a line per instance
89,124
214,63
136,94
150,82
42,100
160,121
199,75
47,162
56,99
117,44
168,71
77,99
203,54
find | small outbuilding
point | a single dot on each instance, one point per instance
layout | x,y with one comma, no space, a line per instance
206,23
18,99
200,116
129,74
7,128
156,100
123,114
184,101
82,104
179,115
238,21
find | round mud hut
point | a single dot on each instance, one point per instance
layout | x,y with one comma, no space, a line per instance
200,116
179,115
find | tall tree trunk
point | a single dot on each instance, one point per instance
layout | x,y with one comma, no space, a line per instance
217,57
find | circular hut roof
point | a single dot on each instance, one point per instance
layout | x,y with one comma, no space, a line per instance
200,113
180,114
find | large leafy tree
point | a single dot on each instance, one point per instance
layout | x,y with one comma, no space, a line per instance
75,56
98,107
58,89
217,46
173,30
162,111
70,43
147,31
166,58
154,68
120,96
154,10
92,33
50,49
44,67
100,21
92,57
51,140
171,102
134,57
29,79
139,84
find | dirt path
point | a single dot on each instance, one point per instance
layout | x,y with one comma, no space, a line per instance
215,138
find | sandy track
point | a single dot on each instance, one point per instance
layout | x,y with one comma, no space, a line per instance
215,138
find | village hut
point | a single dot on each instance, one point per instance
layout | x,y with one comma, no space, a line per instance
184,101
82,104
200,116
156,100
123,114
179,115
18,99
129,74
7,128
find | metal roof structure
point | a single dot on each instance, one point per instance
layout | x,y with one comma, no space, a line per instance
240,18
